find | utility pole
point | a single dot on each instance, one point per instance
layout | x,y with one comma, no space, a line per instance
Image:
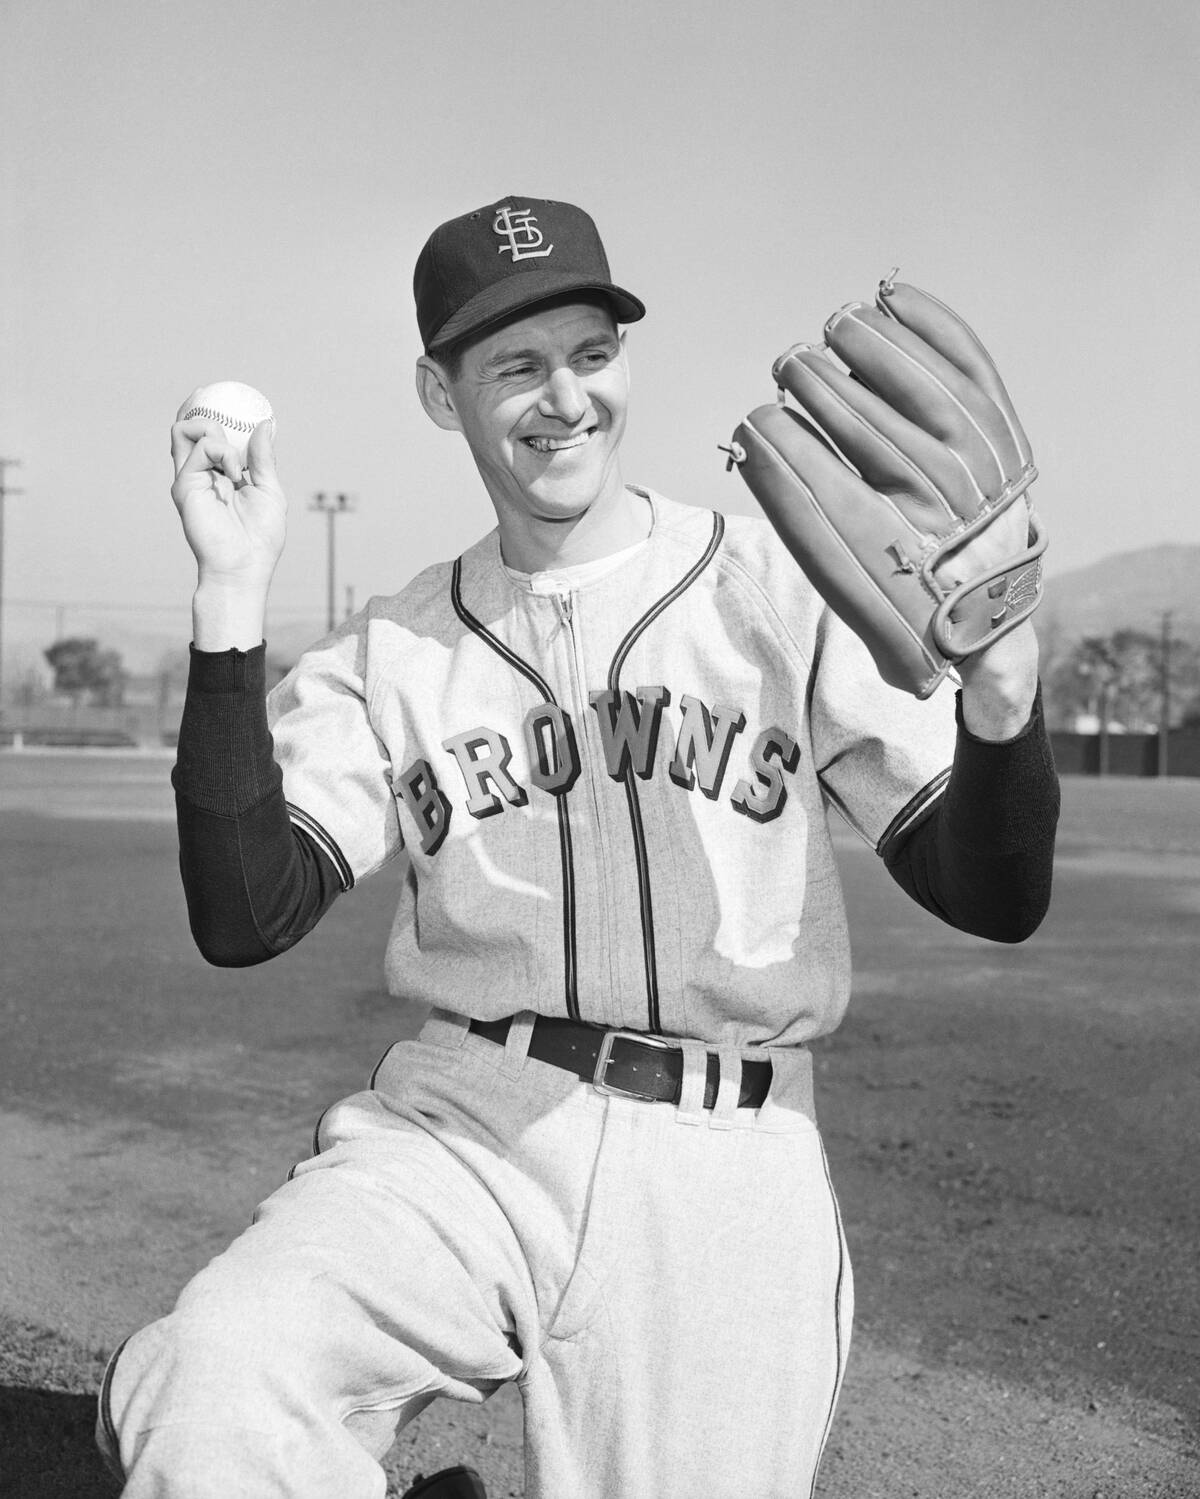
1101,668
5,491
1164,681
331,506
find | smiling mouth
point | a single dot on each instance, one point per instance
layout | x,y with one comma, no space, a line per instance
557,444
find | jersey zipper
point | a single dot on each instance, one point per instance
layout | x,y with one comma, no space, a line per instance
564,604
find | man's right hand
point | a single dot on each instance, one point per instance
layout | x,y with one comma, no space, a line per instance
235,529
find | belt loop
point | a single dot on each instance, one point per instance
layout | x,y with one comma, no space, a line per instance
724,1113
516,1043
791,1089
445,1028
690,1108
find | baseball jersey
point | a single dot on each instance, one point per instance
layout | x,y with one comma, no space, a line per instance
611,802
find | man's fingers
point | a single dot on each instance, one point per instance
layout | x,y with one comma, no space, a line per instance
199,445
209,452
184,435
260,456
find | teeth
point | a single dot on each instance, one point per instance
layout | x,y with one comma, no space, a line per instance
556,444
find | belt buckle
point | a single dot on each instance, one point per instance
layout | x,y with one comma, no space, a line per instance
604,1057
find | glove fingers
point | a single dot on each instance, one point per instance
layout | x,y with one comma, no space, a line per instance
943,329
923,385
893,454
857,549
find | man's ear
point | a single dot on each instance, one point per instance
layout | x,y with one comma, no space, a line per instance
433,387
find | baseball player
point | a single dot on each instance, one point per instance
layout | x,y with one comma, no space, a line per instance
600,747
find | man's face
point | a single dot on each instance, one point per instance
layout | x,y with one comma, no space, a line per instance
542,403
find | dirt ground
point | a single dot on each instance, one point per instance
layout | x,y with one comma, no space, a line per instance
1013,1134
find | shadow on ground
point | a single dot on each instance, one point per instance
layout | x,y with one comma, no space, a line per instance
49,1452
48,1416
48,1387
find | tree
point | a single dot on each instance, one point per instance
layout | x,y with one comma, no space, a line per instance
1120,678
1055,646
82,669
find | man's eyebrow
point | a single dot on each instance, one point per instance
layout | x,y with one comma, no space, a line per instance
507,356
531,355
599,336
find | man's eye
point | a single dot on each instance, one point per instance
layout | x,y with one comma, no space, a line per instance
595,358
518,371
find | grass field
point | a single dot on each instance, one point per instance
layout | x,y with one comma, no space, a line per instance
1013,1132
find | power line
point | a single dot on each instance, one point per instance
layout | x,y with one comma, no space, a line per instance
304,611
96,605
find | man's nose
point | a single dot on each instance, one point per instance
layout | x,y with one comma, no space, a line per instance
563,396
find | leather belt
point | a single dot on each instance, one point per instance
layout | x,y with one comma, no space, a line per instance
630,1063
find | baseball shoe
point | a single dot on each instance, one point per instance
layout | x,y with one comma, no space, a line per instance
450,1483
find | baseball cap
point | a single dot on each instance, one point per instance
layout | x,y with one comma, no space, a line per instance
480,268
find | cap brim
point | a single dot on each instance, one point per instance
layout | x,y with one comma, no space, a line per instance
500,301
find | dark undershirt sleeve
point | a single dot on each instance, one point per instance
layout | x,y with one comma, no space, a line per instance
982,859
254,883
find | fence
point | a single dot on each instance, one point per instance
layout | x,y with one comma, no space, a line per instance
155,725
55,725
1125,754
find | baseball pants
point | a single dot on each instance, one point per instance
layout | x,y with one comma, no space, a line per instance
667,1284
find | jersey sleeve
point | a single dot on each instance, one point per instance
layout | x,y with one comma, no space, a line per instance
336,769
254,885
883,756
982,860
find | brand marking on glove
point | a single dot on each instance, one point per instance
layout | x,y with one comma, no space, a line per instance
1019,593
1024,587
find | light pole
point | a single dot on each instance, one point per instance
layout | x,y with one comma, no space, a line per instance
1164,679
5,491
331,506
1105,698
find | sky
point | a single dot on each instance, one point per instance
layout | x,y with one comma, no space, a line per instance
239,191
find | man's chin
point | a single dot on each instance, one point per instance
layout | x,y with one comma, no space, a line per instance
559,507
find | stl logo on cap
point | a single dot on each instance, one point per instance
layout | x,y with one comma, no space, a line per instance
519,227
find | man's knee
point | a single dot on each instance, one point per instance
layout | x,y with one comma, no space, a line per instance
211,1361
197,1405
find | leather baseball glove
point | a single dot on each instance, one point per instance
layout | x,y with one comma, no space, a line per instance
899,483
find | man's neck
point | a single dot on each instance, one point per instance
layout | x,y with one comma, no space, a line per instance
531,546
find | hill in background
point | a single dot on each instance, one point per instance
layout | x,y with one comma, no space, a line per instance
1130,590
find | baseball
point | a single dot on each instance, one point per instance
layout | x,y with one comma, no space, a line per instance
239,409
